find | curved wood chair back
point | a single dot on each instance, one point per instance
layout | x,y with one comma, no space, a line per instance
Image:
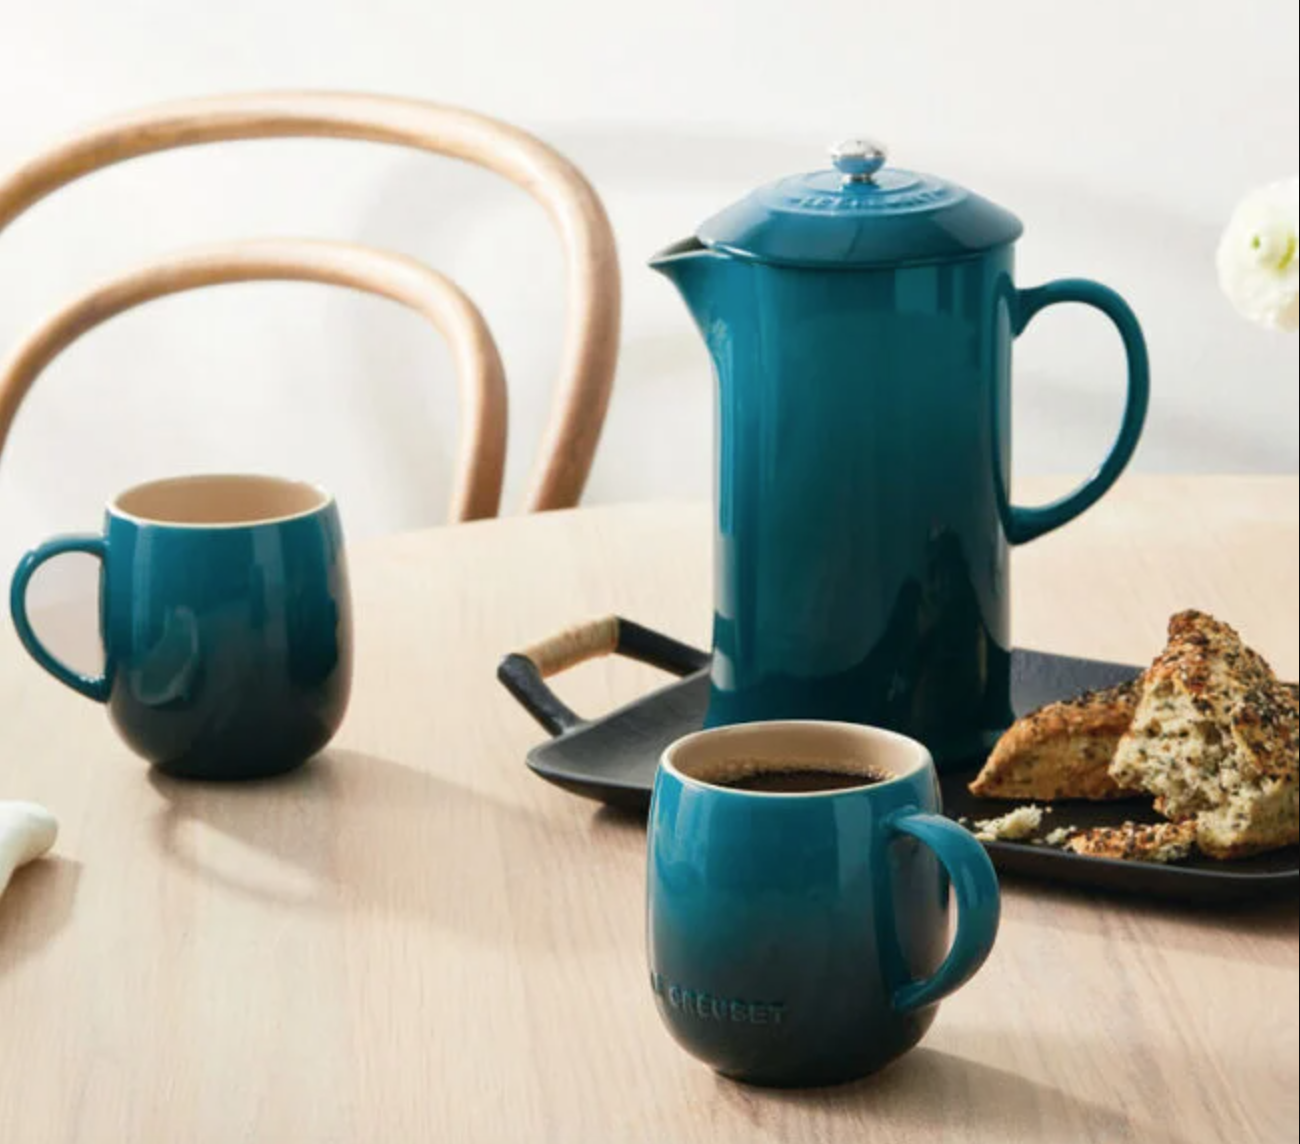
590,345
476,491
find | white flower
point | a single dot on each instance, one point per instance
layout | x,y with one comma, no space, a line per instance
1259,268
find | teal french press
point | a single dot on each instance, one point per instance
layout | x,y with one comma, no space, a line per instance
860,321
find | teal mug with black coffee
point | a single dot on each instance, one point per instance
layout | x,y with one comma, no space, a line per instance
798,886
225,620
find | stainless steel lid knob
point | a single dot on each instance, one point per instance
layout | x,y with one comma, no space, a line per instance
858,160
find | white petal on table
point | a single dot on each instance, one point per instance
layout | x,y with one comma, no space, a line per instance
27,831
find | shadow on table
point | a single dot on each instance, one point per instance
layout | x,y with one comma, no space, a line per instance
611,821
354,831
37,905
928,1090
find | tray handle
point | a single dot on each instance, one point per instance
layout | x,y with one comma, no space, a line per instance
524,673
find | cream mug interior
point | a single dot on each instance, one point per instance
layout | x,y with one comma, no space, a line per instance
220,501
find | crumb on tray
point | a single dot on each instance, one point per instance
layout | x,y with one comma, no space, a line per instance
1162,842
1014,826
1060,836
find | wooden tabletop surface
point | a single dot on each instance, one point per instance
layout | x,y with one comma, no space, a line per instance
413,939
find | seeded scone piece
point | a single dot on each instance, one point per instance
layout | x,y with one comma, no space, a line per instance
1158,842
1063,750
1215,740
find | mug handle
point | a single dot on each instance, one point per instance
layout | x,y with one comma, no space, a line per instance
93,687
978,905
1025,524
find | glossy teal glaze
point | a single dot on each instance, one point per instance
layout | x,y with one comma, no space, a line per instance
863,458
228,649
800,940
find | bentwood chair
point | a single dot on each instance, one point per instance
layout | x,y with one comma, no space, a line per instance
590,349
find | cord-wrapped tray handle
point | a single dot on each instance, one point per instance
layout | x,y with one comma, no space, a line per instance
524,673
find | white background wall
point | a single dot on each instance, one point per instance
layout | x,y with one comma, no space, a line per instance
1122,131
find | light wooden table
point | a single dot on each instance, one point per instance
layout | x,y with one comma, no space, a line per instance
415,940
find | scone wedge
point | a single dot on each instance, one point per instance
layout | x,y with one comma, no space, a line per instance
1063,750
1214,738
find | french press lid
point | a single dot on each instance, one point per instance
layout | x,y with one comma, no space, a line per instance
860,213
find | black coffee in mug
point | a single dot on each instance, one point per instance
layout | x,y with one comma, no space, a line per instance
776,778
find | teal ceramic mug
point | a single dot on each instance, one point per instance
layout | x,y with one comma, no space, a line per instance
801,939
225,620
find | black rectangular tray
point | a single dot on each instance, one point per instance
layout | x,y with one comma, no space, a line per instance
613,760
